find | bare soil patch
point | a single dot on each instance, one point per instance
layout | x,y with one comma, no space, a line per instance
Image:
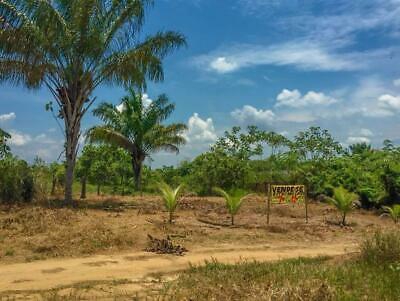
46,248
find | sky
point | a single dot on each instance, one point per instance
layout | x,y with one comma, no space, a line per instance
283,65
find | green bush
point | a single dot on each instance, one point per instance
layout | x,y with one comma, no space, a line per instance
16,181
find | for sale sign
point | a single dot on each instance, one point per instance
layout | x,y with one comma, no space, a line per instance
281,194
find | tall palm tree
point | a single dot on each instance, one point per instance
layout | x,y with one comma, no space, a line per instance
137,127
73,46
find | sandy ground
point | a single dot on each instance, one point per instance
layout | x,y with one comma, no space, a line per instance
98,254
23,278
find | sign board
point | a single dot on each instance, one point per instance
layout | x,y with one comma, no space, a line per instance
283,194
292,194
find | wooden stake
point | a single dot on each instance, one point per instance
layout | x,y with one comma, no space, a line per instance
306,202
269,203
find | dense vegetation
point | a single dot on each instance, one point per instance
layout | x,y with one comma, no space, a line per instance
240,160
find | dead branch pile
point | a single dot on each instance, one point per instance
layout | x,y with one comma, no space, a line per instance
164,246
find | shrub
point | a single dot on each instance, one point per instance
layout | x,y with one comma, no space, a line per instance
381,248
16,181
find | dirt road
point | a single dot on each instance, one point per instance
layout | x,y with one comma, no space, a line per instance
135,267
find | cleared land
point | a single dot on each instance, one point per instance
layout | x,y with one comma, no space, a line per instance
97,249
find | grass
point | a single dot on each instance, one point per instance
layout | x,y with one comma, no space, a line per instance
35,233
370,276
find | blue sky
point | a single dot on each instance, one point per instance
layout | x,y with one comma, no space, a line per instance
283,65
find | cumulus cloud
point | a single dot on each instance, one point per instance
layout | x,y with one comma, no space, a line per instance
295,99
389,102
146,102
222,65
7,117
200,130
28,146
359,139
19,139
249,114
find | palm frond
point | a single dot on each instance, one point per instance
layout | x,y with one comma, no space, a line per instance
104,134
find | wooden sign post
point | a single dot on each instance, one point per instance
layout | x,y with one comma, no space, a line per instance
268,202
283,194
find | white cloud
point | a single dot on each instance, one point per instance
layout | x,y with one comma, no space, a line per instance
200,130
360,139
302,54
295,99
19,139
297,117
7,117
389,102
146,102
251,115
366,133
28,147
222,65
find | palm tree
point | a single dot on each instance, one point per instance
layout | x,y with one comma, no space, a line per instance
233,202
137,128
393,212
344,201
170,197
73,46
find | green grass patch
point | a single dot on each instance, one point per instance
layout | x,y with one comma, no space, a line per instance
373,275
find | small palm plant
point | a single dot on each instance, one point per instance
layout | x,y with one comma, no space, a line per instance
233,202
170,197
393,212
343,200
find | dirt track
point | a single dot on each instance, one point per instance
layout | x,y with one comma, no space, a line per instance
136,267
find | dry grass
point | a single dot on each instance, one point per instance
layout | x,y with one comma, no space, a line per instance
111,224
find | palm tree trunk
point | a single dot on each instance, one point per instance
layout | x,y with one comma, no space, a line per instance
170,217
72,126
344,219
137,171
83,187
69,179
98,189
232,219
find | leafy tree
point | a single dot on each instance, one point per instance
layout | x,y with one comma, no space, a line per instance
138,128
4,148
388,146
170,197
73,46
360,148
275,141
233,202
85,162
240,145
343,200
57,173
216,168
315,144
